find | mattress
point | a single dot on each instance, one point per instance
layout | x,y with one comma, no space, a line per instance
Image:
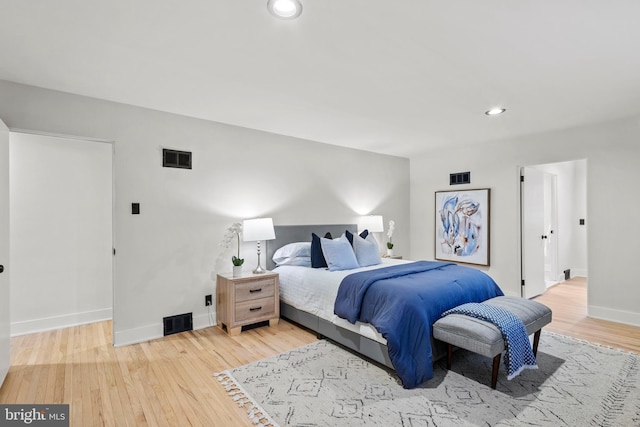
314,291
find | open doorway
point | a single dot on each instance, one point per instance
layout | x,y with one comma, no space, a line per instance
553,214
61,238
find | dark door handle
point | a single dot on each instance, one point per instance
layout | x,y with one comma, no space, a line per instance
1,268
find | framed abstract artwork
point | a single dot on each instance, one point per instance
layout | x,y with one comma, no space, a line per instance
462,226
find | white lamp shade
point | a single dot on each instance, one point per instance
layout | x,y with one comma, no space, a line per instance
373,223
258,229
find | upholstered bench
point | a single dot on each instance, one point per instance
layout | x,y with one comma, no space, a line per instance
484,337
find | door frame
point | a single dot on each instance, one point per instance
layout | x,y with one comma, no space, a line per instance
5,321
113,199
559,215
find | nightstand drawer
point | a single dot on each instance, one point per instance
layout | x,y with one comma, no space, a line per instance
255,289
255,309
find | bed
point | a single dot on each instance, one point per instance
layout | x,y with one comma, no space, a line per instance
307,297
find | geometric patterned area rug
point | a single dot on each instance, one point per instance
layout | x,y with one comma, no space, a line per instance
322,384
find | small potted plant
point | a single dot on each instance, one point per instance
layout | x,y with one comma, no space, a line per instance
392,226
237,265
234,231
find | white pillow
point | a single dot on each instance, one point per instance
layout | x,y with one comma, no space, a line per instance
339,254
298,261
366,250
292,253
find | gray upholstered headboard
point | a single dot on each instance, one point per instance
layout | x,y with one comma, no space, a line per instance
301,233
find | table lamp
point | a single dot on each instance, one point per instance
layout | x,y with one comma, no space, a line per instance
257,230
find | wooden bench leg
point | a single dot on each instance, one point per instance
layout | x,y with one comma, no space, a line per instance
449,355
536,340
494,372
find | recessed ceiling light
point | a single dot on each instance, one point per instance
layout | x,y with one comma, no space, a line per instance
285,9
495,111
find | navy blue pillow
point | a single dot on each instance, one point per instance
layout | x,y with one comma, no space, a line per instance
317,257
349,235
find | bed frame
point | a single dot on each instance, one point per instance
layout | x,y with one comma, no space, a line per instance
367,347
352,340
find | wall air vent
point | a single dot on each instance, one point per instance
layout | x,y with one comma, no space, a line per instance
176,159
178,323
460,178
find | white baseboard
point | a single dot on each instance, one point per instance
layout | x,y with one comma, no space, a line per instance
156,330
202,321
512,294
619,316
137,335
579,272
58,322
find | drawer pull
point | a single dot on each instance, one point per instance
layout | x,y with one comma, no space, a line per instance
255,308
253,291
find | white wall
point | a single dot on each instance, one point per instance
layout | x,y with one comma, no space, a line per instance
579,256
61,220
612,151
166,257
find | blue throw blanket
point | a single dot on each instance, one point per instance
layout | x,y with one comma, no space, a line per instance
518,353
403,301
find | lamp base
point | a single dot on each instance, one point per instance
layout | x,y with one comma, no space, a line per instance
259,269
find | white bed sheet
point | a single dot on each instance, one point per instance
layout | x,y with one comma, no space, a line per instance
314,290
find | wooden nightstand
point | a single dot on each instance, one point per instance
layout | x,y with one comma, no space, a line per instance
248,299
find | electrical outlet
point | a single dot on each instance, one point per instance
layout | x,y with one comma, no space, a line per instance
207,300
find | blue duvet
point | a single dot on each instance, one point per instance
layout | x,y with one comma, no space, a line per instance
403,301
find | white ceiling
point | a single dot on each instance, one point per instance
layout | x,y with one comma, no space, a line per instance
395,77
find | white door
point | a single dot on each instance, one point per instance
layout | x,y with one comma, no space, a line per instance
551,229
5,333
533,232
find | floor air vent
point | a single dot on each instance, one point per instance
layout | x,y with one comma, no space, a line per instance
178,323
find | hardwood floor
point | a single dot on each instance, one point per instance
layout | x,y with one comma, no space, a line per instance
168,381
164,382
568,302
